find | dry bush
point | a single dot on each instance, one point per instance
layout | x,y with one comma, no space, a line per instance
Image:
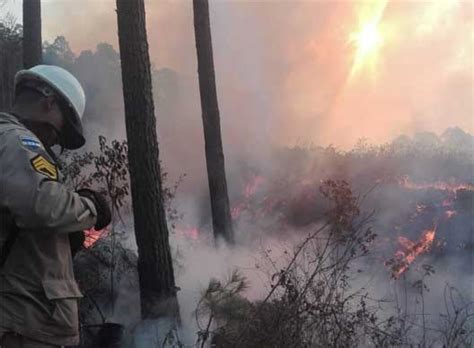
457,325
312,301
107,270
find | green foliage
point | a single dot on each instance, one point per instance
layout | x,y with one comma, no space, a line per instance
221,303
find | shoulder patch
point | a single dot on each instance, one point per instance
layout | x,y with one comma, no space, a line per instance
30,142
45,167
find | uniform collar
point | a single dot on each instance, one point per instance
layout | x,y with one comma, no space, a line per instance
9,117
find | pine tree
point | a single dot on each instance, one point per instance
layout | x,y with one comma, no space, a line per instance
32,45
155,268
221,218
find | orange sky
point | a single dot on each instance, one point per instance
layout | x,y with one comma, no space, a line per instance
284,68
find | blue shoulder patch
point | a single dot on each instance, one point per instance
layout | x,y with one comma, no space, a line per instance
30,142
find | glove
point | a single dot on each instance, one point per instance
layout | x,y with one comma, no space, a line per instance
76,240
104,216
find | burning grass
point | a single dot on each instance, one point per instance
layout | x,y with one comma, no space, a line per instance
409,252
315,298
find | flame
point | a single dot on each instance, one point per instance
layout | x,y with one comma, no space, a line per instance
406,183
92,236
253,185
190,232
410,251
237,210
250,189
450,188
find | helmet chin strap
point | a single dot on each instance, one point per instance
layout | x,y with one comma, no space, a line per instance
53,155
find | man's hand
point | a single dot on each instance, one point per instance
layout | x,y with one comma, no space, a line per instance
104,215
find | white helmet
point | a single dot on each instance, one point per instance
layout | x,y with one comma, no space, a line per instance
69,89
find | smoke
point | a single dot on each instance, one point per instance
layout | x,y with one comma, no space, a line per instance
282,70
283,74
282,67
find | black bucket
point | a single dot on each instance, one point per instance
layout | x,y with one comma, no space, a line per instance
110,335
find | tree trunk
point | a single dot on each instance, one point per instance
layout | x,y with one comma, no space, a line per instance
11,60
32,45
221,218
155,268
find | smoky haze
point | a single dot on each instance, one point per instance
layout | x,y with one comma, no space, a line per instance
283,73
283,67
284,77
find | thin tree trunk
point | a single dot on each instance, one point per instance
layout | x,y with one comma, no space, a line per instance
11,60
32,44
221,218
155,268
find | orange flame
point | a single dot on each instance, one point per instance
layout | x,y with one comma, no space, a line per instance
411,251
92,236
439,185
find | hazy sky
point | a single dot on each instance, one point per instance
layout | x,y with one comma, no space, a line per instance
309,71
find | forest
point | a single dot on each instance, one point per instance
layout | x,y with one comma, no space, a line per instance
300,245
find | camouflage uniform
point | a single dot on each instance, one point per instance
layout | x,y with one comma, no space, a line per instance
38,293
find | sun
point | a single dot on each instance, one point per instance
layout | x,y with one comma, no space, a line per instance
368,38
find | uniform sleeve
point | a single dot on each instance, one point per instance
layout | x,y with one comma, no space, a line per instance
29,187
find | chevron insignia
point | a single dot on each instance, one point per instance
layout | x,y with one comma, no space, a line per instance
45,167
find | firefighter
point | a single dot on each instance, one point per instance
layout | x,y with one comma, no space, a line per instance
38,293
